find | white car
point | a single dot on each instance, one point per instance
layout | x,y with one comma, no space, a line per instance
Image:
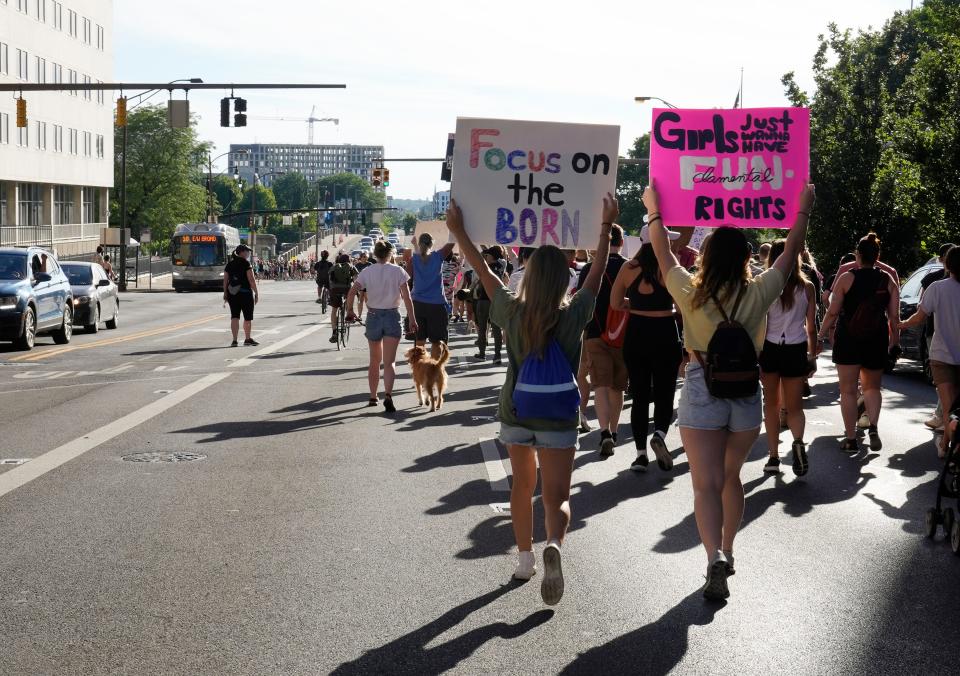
366,244
375,234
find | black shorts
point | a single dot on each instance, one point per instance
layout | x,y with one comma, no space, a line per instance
323,283
867,354
790,361
432,321
241,302
337,297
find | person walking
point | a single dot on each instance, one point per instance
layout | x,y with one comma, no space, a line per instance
788,357
240,291
865,308
651,351
493,259
541,323
724,313
607,370
386,285
942,300
429,303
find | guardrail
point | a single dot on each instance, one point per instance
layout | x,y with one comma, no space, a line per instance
49,235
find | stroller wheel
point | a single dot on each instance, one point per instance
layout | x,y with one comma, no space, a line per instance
930,523
955,538
949,518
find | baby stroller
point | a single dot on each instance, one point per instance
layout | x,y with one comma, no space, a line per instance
948,487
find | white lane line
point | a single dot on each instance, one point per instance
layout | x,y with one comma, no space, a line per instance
494,465
274,347
50,460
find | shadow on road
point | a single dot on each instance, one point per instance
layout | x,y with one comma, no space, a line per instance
409,653
655,648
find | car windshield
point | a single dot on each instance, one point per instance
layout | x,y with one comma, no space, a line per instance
13,266
79,275
912,286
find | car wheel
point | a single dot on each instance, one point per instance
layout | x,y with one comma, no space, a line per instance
94,326
62,335
28,334
112,323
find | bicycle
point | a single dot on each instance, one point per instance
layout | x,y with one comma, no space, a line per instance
343,328
324,299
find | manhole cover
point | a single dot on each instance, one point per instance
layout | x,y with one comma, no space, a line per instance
154,456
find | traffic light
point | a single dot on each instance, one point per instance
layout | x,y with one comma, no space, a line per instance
377,179
21,112
225,112
386,177
122,111
239,107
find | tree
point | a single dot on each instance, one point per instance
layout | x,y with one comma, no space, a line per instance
292,191
265,201
409,223
631,180
885,135
347,186
164,183
227,194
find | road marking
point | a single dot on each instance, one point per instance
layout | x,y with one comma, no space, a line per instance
50,460
32,357
274,347
14,461
494,466
122,367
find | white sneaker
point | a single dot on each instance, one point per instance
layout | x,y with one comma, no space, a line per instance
526,566
551,589
864,422
935,422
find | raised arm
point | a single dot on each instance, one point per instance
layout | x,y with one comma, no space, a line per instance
446,250
798,233
599,265
491,283
658,233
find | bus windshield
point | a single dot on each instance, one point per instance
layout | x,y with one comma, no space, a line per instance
199,250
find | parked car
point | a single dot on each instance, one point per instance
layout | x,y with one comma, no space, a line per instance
94,296
915,342
35,297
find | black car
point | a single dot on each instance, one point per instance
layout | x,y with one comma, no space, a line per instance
915,342
35,297
95,297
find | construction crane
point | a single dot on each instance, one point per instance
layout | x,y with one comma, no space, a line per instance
309,120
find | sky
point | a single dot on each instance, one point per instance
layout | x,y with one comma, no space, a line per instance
412,67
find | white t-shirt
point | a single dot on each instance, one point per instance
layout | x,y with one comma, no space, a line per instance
382,282
942,299
515,279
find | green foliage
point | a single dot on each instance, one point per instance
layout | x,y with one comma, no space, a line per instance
885,135
631,180
349,186
292,191
265,200
227,193
164,183
409,223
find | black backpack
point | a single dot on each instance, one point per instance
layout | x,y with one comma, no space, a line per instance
731,369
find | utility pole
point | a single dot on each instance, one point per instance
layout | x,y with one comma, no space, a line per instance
122,286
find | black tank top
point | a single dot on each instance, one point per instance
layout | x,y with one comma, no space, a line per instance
868,283
657,301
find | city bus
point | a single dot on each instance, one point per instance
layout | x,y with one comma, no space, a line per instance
200,252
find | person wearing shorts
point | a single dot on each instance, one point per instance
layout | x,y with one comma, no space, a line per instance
429,303
241,293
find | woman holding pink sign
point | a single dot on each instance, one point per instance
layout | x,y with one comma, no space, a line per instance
724,313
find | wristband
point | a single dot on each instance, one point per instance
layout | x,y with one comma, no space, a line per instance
655,218
607,223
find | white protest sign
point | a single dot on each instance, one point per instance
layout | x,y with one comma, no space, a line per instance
526,183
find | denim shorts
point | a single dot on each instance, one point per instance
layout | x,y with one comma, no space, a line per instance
383,324
521,436
699,410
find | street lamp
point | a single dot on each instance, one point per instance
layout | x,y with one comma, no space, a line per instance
645,99
123,186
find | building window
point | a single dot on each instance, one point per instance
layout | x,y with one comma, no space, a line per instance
4,58
23,137
58,138
101,38
73,80
72,23
73,142
41,135
87,94
4,128
87,144
100,146
87,31
89,201
58,15
40,7
41,68
23,6
23,65
100,95
3,199
56,72
30,204
63,204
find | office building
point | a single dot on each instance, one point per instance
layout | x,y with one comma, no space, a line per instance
56,173
441,200
313,161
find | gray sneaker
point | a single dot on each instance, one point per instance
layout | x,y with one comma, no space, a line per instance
659,446
716,587
551,589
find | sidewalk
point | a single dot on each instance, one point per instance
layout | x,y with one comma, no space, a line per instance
159,284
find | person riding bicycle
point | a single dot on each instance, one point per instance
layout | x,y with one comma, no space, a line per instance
342,276
322,271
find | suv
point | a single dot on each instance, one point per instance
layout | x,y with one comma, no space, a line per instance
915,342
35,297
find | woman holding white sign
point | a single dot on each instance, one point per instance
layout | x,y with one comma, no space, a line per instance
724,323
539,402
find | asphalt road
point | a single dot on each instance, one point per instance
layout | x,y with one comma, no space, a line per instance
316,535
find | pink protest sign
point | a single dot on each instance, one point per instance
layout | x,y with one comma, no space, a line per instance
744,167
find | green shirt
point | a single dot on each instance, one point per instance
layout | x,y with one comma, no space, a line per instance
506,312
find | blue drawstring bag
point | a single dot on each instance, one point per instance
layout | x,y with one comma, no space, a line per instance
546,388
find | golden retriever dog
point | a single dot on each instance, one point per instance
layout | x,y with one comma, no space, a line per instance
429,373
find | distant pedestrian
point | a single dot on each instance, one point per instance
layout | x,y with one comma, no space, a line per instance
724,314
543,330
495,262
865,308
241,293
429,303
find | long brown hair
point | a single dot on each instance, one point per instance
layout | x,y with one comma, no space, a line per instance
724,266
797,278
542,294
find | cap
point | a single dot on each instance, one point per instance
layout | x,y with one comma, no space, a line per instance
645,234
241,248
